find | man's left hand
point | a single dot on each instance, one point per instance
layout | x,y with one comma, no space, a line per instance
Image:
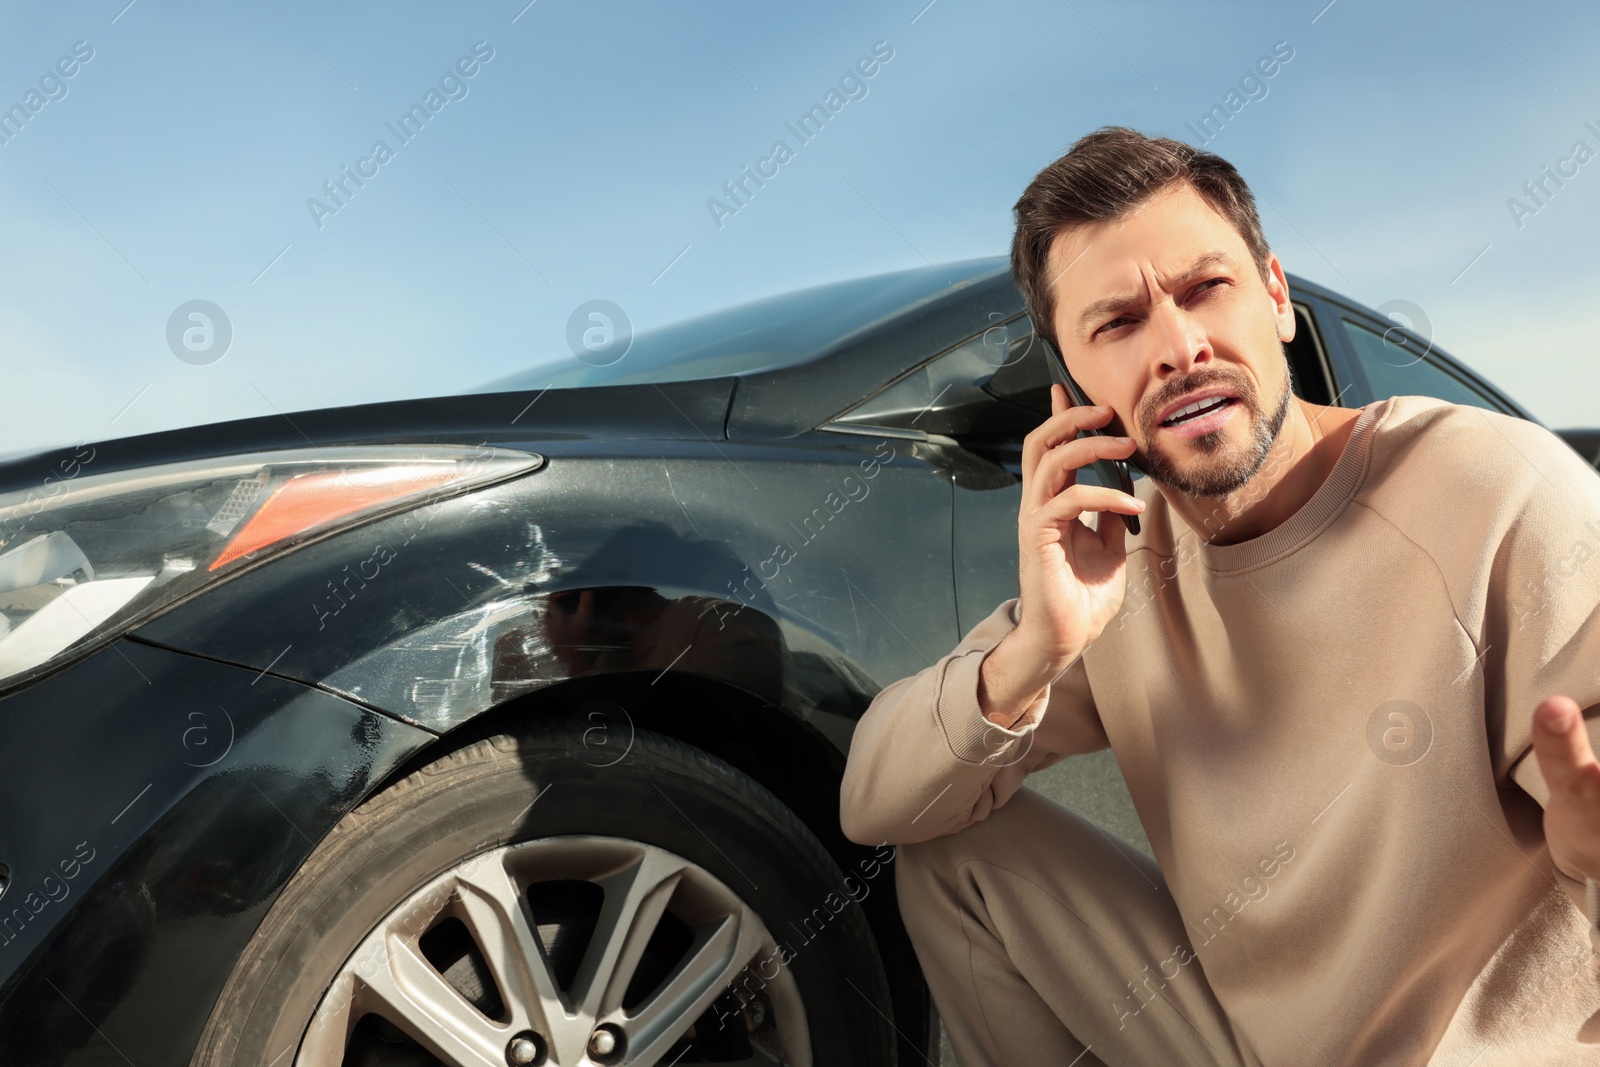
1572,814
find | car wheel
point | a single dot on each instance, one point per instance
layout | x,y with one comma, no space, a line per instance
514,902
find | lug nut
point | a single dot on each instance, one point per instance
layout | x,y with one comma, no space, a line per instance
525,1050
604,1042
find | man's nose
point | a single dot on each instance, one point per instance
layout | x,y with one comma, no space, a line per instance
1178,343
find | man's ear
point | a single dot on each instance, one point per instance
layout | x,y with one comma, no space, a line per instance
1278,292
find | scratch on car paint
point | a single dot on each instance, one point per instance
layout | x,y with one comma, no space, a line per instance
481,569
852,593
674,491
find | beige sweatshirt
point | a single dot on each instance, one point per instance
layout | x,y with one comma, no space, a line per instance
1326,734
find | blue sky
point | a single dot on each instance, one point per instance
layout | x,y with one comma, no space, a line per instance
577,164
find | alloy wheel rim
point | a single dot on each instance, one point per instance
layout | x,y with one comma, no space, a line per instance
627,982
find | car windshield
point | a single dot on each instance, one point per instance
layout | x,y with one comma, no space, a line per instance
777,331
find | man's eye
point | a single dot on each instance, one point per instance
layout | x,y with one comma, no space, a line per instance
1199,290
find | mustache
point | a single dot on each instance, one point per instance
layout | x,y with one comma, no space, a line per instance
1177,387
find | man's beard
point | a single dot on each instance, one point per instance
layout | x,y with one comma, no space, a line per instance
1234,467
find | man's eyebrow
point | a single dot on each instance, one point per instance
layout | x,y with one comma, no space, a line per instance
1127,298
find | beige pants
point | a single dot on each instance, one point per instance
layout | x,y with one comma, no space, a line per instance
1041,938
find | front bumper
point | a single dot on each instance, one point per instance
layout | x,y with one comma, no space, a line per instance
152,806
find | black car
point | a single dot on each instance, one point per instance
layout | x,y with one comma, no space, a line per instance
508,727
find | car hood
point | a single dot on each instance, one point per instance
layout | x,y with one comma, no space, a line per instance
689,410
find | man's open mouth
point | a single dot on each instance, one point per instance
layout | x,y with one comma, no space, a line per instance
1198,409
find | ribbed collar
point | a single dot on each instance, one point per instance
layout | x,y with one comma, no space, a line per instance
1342,483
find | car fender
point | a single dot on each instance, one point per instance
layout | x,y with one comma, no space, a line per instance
438,615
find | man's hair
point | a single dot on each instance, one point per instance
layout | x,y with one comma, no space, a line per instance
1103,176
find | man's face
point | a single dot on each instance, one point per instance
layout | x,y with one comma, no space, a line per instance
1164,308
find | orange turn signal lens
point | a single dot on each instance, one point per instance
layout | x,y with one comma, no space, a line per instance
309,501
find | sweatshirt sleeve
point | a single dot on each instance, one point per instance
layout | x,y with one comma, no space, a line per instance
1542,619
925,762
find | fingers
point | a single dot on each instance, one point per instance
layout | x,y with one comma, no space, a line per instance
1561,745
1113,532
1077,499
1057,468
1051,456
1065,424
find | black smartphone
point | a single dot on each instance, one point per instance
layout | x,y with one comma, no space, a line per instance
1112,472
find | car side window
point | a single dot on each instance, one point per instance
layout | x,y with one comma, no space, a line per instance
1394,367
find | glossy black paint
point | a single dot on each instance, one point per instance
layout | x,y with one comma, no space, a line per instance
791,400
689,410
786,547
726,543
687,579
181,798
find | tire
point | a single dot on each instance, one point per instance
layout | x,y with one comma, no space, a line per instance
409,890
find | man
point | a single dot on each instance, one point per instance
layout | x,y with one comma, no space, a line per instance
1341,668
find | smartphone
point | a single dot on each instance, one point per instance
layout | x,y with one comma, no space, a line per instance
1112,472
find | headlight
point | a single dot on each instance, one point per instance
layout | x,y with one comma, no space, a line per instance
96,555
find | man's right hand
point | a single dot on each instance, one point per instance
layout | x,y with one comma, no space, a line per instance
1072,577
